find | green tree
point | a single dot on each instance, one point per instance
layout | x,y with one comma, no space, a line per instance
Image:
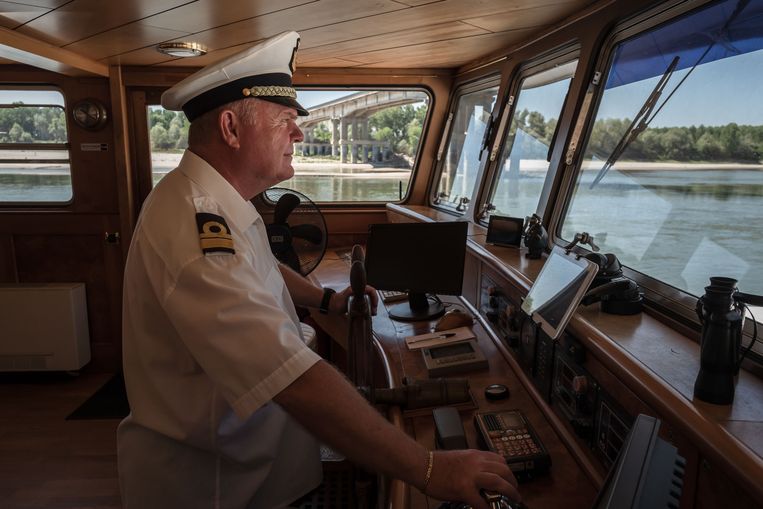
536,125
159,138
16,133
709,148
396,121
729,138
322,133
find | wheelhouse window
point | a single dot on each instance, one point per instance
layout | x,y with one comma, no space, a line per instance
168,138
524,159
671,178
34,151
359,145
461,158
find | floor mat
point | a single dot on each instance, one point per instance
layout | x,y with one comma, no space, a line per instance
108,402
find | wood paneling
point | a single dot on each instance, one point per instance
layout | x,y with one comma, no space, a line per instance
442,53
7,259
79,19
536,16
13,14
30,51
431,33
125,33
203,15
47,461
715,488
48,4
79,258
122,39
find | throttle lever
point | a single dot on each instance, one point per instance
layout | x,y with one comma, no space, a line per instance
497,501
493,499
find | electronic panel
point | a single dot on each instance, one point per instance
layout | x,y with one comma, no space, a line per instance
528,339
611,429
499,310
574,392
557,368
544,363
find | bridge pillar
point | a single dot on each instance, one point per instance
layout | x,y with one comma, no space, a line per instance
334,137
377,153
343,140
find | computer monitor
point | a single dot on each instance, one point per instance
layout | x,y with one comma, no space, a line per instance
558,289
648,473
418,258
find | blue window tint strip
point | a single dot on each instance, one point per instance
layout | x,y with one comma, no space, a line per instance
729,28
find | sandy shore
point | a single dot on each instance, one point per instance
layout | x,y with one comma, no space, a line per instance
163,162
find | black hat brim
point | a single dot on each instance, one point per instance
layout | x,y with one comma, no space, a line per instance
286,101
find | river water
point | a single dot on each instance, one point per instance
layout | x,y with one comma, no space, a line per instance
678,226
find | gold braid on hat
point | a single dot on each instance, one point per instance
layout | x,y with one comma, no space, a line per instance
269,91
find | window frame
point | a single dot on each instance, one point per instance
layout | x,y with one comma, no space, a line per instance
422,139
673,304
477,85
65,146
536,65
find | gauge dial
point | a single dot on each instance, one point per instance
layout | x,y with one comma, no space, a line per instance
89,114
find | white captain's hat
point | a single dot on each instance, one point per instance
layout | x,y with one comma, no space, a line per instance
262,71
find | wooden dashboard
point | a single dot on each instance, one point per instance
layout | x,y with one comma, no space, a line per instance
631,365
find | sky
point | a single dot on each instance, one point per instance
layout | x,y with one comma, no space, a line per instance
705,98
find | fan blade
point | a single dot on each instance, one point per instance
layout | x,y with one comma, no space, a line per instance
285,204
290,258
308,232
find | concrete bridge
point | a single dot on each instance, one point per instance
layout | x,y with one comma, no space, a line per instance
348,123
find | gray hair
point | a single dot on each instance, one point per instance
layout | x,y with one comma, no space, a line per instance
205,126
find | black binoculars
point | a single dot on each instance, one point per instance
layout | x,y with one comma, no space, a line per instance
721,313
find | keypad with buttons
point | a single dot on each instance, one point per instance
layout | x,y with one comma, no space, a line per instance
510,435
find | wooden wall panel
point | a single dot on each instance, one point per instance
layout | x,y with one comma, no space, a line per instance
7,260
79,258
716,489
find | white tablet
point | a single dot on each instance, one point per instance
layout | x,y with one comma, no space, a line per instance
556,293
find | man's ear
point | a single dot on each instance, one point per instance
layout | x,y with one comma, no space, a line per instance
229,128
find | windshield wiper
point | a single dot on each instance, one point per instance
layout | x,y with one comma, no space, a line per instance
639,124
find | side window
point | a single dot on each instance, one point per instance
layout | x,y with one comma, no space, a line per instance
524,159
671,179
461,162
359,145
34,151
168,136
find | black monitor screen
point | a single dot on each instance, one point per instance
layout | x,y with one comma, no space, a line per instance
648,473
418,258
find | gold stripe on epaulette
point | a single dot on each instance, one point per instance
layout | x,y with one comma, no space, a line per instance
216,243
214,235
269,91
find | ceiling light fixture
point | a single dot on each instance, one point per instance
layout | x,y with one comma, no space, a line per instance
181,49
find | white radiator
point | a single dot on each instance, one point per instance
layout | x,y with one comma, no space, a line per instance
43,327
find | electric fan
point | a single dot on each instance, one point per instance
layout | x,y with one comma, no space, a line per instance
295,227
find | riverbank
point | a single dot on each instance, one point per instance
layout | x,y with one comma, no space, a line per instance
164,162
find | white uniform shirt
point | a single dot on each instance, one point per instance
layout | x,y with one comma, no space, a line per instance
208,341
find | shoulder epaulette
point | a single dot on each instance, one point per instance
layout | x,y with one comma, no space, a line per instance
214,234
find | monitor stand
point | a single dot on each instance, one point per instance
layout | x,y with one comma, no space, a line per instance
417,309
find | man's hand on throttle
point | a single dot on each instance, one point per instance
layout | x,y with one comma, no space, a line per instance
338,302
460,475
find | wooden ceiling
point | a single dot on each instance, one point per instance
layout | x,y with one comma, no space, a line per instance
335,33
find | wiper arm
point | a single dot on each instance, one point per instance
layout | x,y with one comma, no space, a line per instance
639,124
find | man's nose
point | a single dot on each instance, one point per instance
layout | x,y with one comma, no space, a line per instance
297,134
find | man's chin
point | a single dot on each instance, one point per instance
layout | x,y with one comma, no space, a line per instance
286,174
